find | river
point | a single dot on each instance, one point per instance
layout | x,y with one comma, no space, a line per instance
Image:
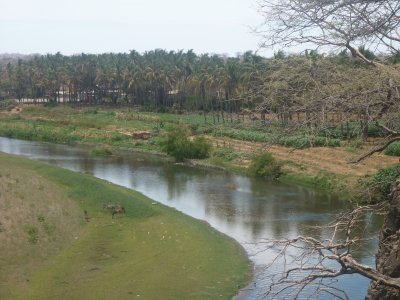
247,209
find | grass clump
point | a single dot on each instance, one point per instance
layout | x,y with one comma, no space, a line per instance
101,152
33,234
48,228
225,154
177,144
266,166
393,149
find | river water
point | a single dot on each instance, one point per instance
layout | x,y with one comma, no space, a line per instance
249,210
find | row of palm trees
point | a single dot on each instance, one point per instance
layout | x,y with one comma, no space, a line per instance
307,87
157,79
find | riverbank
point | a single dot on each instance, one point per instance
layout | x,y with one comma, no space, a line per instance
325,168
56,239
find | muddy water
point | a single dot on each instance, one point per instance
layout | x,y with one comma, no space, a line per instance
247,209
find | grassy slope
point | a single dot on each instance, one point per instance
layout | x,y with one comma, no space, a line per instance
154,251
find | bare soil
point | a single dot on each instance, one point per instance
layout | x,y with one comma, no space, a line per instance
311,161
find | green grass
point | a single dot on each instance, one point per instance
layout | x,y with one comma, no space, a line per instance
153,251
101,151
301,142
323,181
246,135
225,154
61,124
293,140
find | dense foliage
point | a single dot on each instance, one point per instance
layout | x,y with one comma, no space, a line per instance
266,166
378,187
177,144
7,104
393,149
331,96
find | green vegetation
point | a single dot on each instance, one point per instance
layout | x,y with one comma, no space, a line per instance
300,142
103,258
177,144
291,140
322,95
33,233
393,149
225,154
7,104
178,135
377,187
324,180
39,133
265,165
101,151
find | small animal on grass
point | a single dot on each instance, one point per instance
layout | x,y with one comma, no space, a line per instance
108,206
118,209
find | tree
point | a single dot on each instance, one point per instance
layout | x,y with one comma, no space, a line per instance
336,24
351,24
308,261
333,23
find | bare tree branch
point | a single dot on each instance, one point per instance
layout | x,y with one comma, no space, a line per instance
306,260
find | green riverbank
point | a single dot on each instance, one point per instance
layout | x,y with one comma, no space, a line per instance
115,129
51,248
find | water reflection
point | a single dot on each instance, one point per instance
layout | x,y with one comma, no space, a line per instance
246,209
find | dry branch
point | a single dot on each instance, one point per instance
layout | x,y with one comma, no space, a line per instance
309,261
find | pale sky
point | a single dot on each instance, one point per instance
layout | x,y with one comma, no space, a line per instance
98,26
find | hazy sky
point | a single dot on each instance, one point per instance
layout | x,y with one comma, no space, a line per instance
96,26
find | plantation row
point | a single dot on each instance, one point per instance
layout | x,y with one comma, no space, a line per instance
311,91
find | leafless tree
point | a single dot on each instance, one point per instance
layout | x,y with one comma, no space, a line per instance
308,261
334,23
371,95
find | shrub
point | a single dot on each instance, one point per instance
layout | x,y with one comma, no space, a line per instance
177,144
199,148
266,166
7,104
393,149
378,187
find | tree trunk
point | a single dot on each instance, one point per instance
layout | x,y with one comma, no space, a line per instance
388,256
